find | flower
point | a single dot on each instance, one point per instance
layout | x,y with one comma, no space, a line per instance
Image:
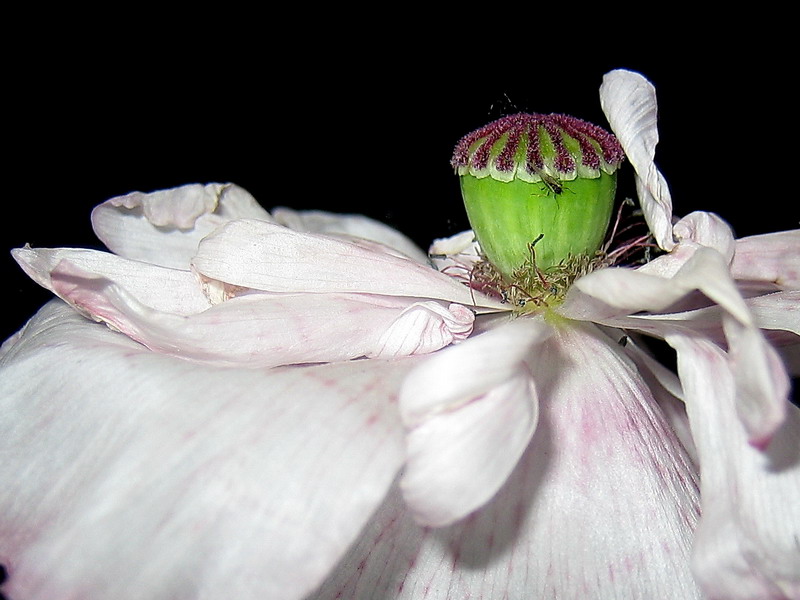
239,436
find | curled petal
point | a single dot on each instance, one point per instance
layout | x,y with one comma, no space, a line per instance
425,327
629,102
128,473
708,230
471,411
454,377
746,546
269,257
354,226
267,330
164,227
693,231
460,244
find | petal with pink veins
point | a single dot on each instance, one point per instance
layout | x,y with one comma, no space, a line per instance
777,311
130,474
165,227
267,330
602,504
629,103
748,542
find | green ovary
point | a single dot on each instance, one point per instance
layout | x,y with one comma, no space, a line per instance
507,216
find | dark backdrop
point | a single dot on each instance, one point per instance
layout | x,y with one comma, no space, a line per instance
350,130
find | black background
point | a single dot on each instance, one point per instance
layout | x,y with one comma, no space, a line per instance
350,124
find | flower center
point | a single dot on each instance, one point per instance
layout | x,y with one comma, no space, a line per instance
532,287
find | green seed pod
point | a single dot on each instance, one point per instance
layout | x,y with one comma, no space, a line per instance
544,178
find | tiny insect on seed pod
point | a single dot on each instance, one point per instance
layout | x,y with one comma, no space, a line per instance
530,175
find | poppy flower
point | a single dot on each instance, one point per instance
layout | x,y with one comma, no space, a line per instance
296,405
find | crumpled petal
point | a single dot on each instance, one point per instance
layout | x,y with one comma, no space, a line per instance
267,330
351,226
129,474
603,503
629,103
269,257
425,327
772,259
746,545
164,227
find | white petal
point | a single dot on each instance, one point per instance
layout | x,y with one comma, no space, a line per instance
778,311
159,288
602,505
358,226
269,257
458,375
772,258
267,330
667,265
625,291
629,102
747,542
164,227
458,460
127,474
